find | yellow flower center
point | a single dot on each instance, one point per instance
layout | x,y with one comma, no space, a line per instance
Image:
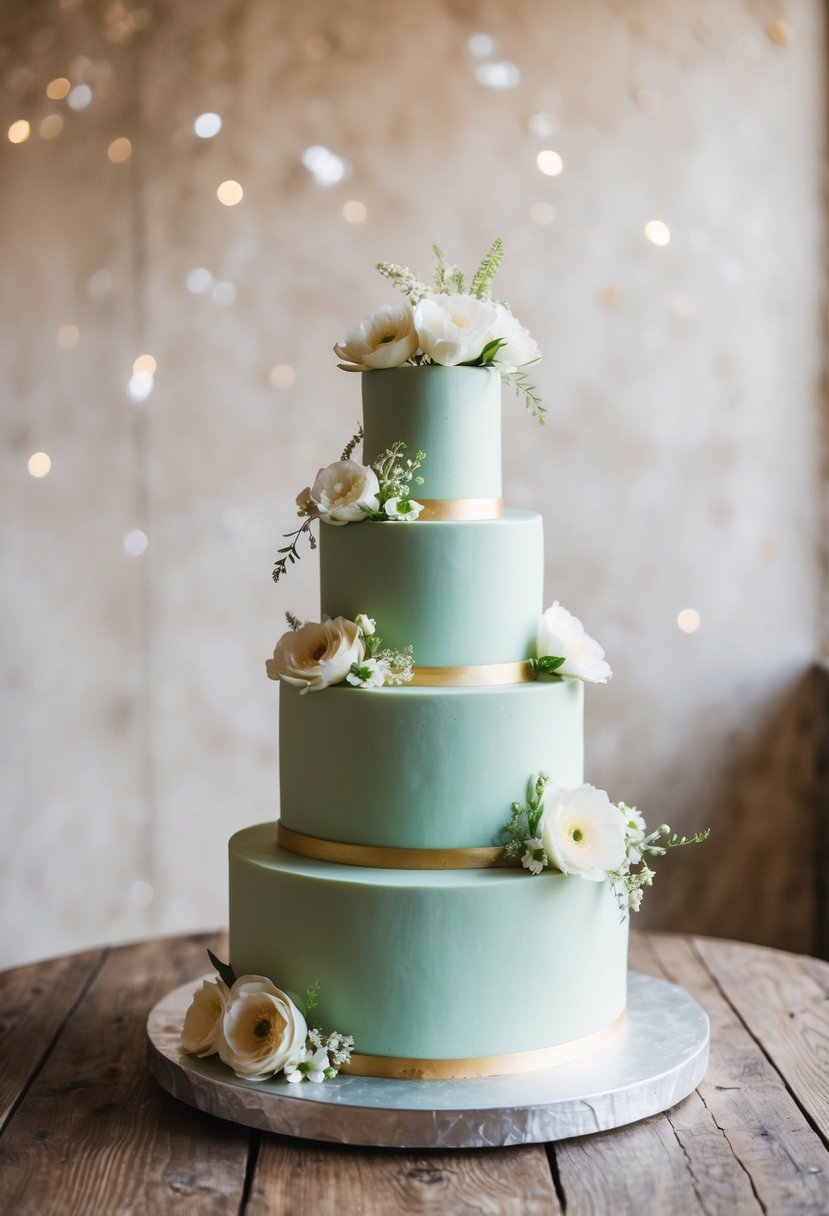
387,338
262,1028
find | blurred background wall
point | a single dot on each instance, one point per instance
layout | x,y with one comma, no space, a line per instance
655,169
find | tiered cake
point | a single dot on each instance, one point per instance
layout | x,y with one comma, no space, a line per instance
384,879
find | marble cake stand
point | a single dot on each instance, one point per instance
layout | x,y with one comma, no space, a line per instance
657,1058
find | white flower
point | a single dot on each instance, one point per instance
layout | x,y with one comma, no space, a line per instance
562,635
371,673
454,329
385,339
402,508
262,1029
521,347
344,491
316,655
635,830
317,1064
203,1021
582,832
292,1071
366,625
534,858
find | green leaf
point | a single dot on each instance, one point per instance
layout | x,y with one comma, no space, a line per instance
486,272
225,970
548,664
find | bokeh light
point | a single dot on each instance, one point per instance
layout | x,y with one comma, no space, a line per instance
354,212
19,131
688,620
230,193
58,88
144,365
39,464
79,97
282,375
119,150
51,126
67,336
657,232
135,542
549,162
207,125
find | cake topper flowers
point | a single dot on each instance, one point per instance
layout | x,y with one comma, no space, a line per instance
447,323
581,832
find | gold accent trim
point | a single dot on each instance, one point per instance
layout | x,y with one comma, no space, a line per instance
398,1068
460,509
471,676
380,857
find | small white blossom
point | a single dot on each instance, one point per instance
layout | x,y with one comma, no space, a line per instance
366,625
317,1064
534,858
402,508
371,673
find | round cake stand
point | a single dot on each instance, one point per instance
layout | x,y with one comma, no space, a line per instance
656,1059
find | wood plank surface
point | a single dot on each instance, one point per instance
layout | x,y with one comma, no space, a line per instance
95,1134
742,1130
783,999
34,1004
296,1180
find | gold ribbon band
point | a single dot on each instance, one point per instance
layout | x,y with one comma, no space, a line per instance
380,857
461,508
472,676
399,1068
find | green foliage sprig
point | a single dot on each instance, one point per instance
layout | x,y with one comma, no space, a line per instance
520,384
356,438
524,821
547,665
628,882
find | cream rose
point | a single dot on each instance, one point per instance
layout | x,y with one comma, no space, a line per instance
317,655
562,635
262,1028
520,346
202,1028
454,329
582,832
344,491
385,339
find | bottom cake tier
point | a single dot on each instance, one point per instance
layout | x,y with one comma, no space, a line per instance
435,973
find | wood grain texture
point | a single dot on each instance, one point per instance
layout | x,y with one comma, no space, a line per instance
95,1134
34,1004
296,1180
782,998
742,1130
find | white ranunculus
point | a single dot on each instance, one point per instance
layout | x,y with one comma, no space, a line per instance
402,508
521,347
316,655
562,635
262,1028
454,329
202,1028
344,491
385,339
582,831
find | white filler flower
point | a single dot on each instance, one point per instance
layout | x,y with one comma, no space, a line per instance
562,635
385,339
402,508
317,655
583,832
262,1028
454,329
202,1028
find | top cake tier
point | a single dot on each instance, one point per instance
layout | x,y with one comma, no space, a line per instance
453,414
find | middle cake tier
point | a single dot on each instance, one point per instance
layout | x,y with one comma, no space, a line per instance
422,768
460,593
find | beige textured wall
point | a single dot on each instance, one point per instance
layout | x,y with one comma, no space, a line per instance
679,468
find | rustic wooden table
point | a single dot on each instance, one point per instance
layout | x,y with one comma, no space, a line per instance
84,1129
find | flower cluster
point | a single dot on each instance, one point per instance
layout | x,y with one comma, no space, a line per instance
315,655
447,324
581,832
257,1030
348,492
379,666
563,648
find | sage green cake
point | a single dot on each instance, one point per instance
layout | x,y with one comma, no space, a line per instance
384,879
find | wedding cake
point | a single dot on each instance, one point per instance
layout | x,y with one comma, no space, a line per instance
441,884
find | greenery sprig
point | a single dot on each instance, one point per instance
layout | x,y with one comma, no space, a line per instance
291,552
396,474
524,821
520,384
547,665
628,883
355,439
